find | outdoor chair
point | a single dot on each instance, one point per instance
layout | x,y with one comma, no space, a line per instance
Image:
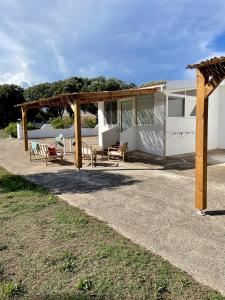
43,151
88,153
118,152
60,144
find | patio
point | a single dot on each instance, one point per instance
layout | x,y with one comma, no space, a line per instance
149,201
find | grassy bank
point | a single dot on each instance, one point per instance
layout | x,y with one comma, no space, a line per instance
50,250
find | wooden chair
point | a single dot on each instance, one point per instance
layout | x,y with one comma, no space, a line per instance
120,152
42,151
88,153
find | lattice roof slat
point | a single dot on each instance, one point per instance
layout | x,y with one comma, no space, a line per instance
66,99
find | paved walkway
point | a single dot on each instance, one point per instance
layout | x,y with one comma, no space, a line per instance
148,203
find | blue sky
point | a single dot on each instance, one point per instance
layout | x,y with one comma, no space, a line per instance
134,40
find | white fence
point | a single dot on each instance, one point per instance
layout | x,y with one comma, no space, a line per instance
47,131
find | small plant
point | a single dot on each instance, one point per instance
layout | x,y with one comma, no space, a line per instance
68,262
60,123
84,284
11,130
10,289
90,123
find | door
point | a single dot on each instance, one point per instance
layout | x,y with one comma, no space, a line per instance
127,114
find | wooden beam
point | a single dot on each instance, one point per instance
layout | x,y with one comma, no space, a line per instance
24,121
87,97
213,84
77,134
201,142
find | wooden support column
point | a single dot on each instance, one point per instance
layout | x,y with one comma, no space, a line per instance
201,142
77,134
24,121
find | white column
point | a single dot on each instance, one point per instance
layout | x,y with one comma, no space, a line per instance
100,123
19,131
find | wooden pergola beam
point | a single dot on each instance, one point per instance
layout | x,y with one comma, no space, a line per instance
77,134
24,123
210,74
85,98
201,143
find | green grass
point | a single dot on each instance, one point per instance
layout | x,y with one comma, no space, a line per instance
50,250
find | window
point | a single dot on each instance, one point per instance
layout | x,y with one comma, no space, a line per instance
145,110
111,112
176,106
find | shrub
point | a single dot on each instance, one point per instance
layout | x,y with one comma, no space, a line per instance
11,129
31,126
59,123
90,123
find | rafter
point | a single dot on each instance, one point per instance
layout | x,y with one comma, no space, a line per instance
85,98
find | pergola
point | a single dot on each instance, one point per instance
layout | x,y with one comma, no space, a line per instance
210,73
74,100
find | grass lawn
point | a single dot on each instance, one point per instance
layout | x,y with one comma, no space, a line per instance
3,135
50,250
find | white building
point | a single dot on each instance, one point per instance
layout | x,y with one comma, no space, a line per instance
162,123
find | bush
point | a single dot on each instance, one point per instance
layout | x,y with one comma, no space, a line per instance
59,123
90,123
11,130
31,126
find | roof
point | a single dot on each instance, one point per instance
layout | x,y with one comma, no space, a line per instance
153,83
208,62
180,84
88,97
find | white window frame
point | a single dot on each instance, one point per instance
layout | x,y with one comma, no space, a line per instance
179,96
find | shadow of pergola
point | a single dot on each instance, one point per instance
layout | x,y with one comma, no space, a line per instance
84,181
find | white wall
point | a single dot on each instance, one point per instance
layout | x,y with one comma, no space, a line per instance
213,117
180,135
181,131
151,138
221,114
130,136
109,137
47,131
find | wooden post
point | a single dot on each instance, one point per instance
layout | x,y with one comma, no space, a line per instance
201,142
77,132
24,121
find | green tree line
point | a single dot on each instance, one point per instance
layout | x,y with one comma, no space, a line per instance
11,95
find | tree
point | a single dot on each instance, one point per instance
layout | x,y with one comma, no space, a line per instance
71,85
10,95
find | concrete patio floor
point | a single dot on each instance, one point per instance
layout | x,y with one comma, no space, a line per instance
148,200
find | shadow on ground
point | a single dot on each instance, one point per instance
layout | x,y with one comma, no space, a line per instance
175,162
84,181
214,213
